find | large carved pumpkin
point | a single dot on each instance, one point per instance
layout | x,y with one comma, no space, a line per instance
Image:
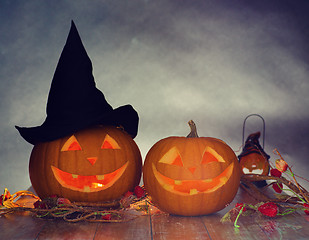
191,176
96,164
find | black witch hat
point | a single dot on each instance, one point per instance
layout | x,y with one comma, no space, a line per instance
252,145
74,102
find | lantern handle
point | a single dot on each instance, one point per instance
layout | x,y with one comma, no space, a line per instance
244,126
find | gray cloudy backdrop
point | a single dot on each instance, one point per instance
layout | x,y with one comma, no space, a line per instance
174,60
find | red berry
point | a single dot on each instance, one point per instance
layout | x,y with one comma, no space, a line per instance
269,209
239,206
128,194
139,191
63,201
275,172
39,204
278,188
107,216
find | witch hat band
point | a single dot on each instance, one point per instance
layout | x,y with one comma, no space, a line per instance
74,102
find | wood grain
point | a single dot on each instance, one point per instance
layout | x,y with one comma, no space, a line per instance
292,226
138,228
59,229
20,226
160,226
248,229
165,226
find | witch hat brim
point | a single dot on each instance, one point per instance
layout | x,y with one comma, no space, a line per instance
74,102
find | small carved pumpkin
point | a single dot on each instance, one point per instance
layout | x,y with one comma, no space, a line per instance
191,176
253,159
95,164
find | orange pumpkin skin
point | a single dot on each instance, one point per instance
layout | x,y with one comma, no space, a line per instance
254,163
95,164
183,176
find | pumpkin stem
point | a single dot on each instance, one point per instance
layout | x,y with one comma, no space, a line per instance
193,133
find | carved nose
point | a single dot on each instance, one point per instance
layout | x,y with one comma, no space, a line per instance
92,160
192,169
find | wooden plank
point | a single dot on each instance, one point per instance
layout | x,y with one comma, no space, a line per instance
165,226
20,226
138,228
293,226
160,225
248,229
60,229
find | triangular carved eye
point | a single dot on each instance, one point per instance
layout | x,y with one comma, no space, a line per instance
172,157
210,155
109,143
71,145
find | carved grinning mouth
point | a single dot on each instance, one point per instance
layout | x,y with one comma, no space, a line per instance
92,183
191,187
253,171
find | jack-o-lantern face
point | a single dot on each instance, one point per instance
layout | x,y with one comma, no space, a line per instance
97,164
196,180
191,176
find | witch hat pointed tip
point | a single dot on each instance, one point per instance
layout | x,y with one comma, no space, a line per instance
73,23
74,39
73,27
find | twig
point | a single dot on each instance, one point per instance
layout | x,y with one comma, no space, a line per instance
293,176
75,214
291,185
259,195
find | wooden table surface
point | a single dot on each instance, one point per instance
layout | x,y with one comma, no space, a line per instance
159,225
